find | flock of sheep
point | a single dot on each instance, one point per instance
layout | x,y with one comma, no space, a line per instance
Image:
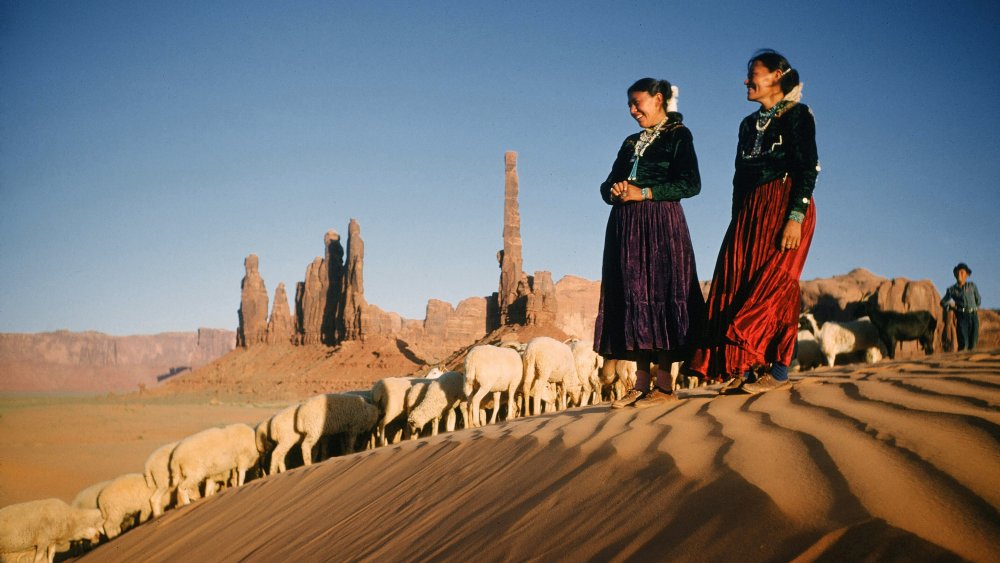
511,379
873,336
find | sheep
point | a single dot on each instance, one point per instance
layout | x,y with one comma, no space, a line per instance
588,365
211,452
617,377
807,322
124,502
87,498
896,327
326,415
389,395
546,360
440,399
844,337
157,474
491,369
278,435
807,351
42,525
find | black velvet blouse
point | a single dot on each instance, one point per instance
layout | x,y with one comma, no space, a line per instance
787,146
669,166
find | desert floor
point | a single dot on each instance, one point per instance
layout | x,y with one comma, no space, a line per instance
56,445
898,461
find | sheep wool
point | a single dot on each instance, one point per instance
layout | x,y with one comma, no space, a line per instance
87,498
588,364
327,415
491,370
548,361
157,474
42,525
124,502
843,337
210,452
439,400
280,431
389,396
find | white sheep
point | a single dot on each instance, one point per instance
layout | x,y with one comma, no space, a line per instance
124,503
327,415
808,354
617,377
278,435
157,474
548,361
851,336
414,396
440,399
491,369
588,366
389,396
211,452
87,498
42,525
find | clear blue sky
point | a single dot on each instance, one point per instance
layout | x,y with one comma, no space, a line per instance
147,147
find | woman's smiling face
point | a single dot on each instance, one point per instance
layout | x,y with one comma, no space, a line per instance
763,84
645,109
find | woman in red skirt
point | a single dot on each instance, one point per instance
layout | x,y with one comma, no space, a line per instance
754,303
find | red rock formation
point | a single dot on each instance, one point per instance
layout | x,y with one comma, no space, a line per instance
253,306
333,265
510,256
319,300
839,298
281,325
92,361
354,286
577,301
541,305
311,303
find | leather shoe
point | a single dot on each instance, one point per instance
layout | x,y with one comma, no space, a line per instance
764,383
654,398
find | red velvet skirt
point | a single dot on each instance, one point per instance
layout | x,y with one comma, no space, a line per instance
754,302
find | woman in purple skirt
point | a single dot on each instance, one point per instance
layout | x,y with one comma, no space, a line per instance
651,304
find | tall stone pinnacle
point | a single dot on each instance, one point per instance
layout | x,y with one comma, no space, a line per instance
253,306
354,284
510,256
281,325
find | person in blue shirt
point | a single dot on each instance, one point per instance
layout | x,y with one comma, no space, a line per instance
964,298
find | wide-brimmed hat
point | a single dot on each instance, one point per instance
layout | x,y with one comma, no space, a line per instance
961,266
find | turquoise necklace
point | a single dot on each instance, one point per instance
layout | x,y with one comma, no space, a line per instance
645,139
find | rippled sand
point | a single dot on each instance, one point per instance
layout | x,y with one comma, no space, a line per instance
895,462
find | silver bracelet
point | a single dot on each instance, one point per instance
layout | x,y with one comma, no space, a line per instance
797,216
646,193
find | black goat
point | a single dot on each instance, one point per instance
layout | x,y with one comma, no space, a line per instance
896,327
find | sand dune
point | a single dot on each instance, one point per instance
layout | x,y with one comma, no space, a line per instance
895,462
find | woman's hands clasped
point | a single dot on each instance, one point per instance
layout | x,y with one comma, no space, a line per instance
623,192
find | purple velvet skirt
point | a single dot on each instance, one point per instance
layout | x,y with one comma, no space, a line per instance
650,297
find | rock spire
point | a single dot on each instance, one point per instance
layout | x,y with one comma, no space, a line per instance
253,306
510,256
281,325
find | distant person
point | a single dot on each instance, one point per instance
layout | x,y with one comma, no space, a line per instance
754,304
963,298
650,298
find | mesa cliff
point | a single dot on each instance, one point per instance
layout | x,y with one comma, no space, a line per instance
92,361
